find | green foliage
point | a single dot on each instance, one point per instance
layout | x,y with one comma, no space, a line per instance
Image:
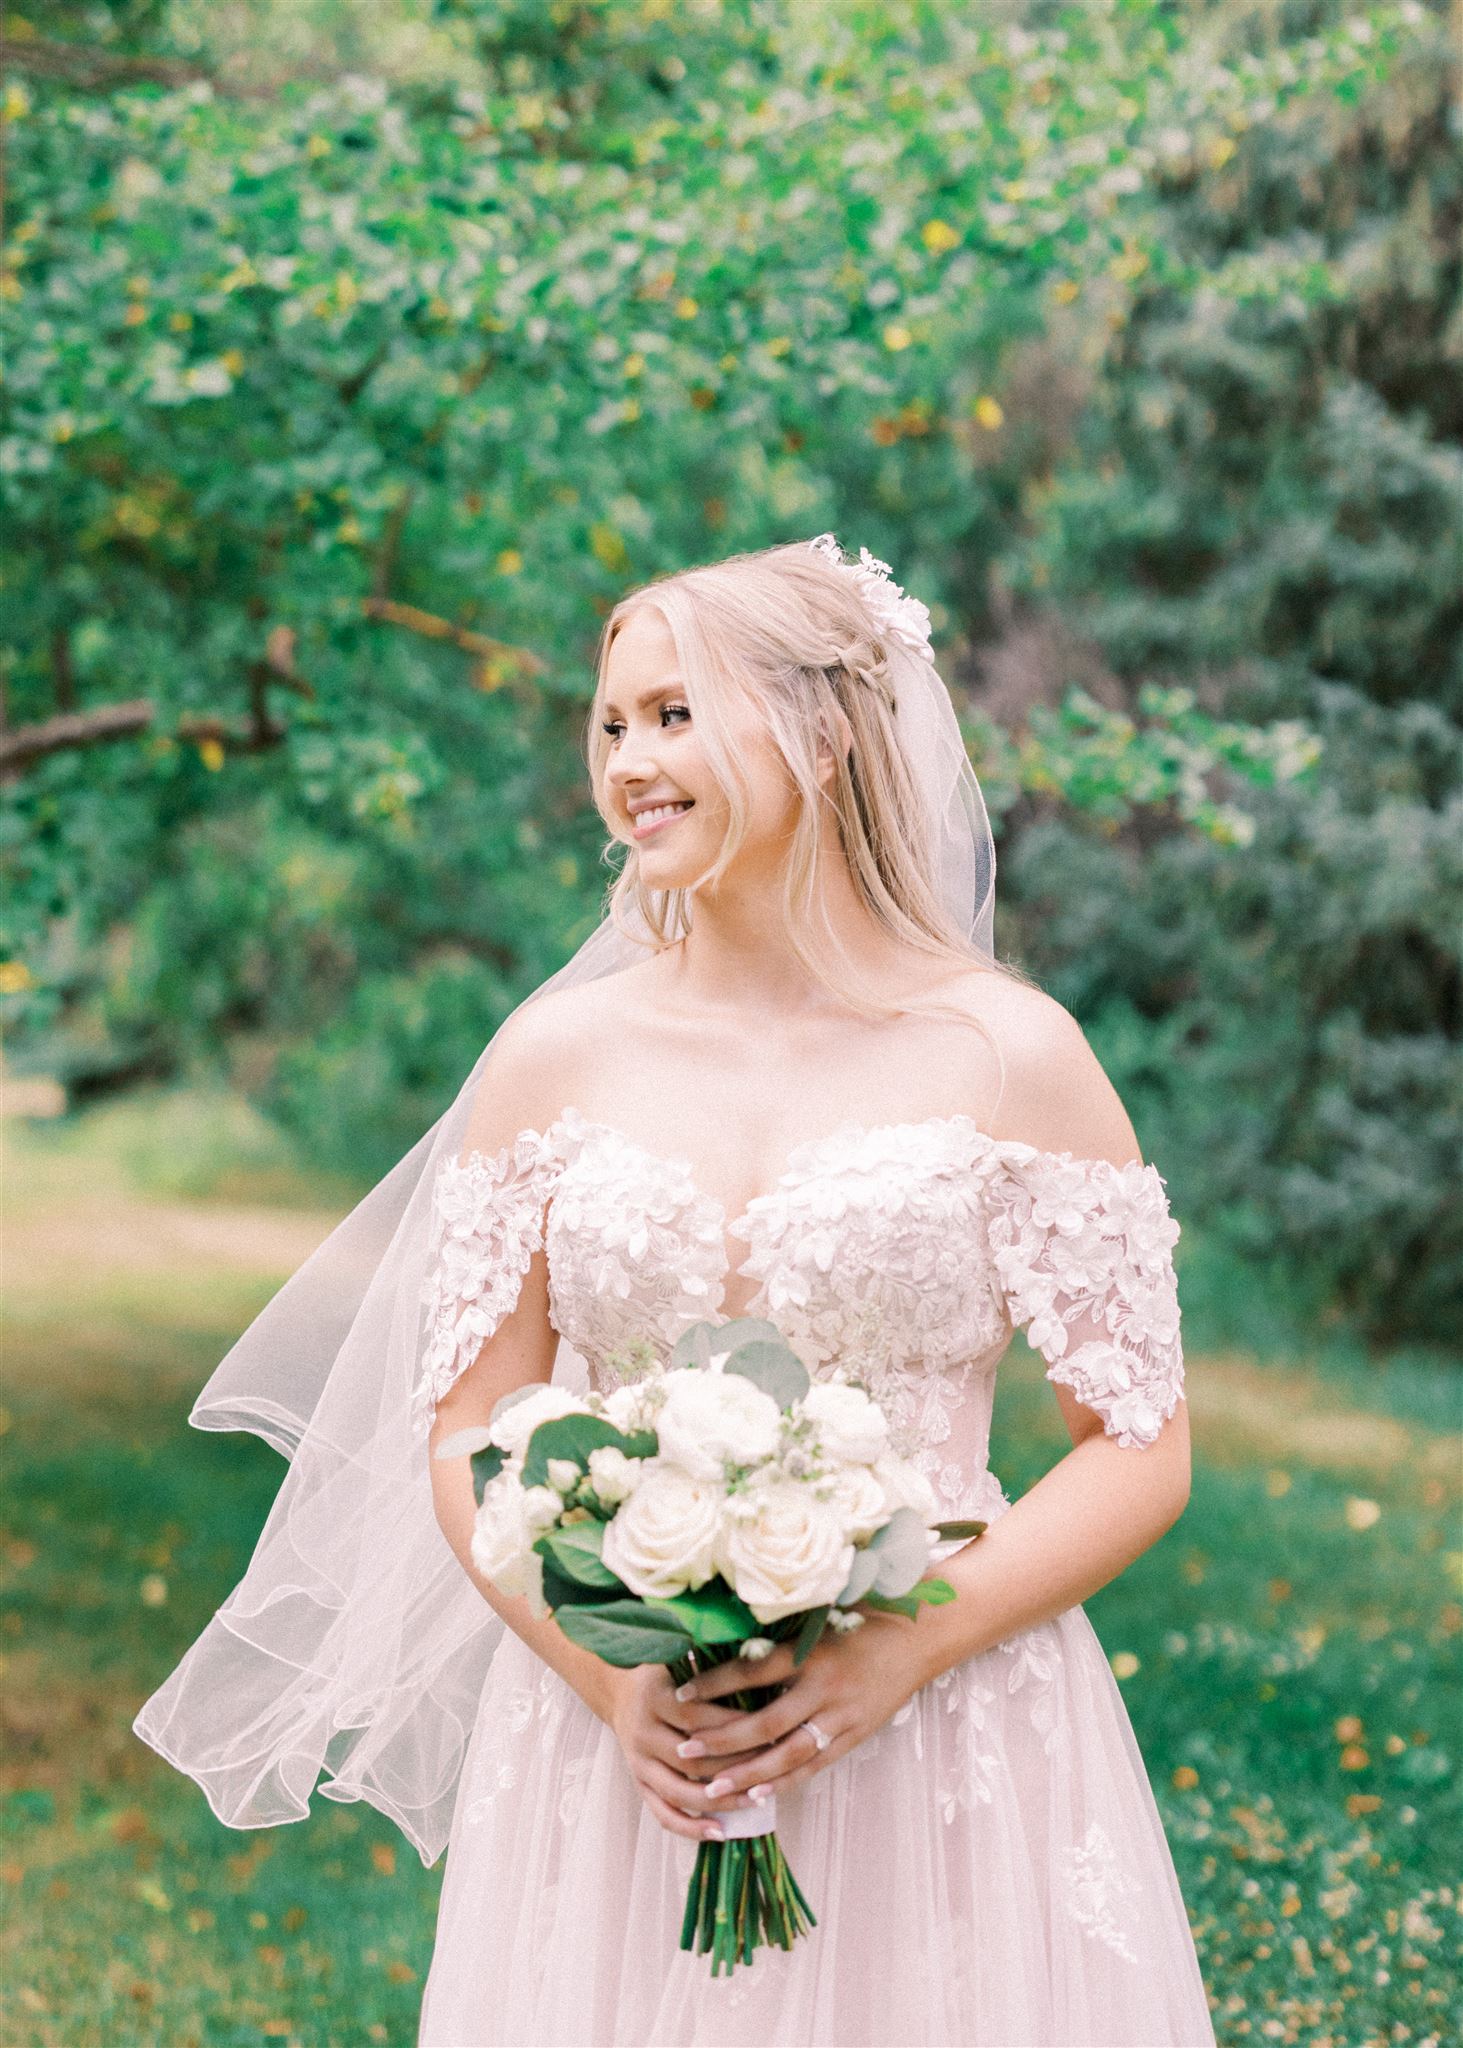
1264,501
339,409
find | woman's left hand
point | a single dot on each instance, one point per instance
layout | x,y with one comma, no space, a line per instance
850,1685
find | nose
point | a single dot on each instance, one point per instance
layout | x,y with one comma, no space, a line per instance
634,761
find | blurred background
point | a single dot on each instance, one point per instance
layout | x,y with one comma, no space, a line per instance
357,359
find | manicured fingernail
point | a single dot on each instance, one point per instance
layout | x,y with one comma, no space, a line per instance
686,1691
718,1786
692,1746
758,1792
715,1834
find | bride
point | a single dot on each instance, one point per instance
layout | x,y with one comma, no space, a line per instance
785,1077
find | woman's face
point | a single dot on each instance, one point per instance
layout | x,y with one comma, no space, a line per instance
658,784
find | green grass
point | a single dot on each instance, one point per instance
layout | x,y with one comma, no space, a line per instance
1296,1635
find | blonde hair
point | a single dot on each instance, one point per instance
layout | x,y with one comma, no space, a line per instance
790,626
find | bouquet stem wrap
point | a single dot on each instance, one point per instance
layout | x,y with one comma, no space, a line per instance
742,1893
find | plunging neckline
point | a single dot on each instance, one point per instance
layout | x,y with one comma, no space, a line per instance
800,1158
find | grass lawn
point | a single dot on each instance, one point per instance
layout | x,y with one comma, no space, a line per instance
1289,1652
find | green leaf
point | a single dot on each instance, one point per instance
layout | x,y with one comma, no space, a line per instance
575,1551
626,1632
808,1635
486,1465
779,1372
711,1614
572,1436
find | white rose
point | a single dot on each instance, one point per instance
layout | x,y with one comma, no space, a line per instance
510,1518
563,1474
850,1424
513,1428
709,1417
905,1486
784,1550
663,1539
624,1407
857,1497
613,1476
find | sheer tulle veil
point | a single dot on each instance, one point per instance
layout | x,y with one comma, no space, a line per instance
355,1645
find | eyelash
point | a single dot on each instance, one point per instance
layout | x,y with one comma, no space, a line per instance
612,725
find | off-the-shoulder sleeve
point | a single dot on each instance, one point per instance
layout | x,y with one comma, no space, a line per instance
486,1224
1084,1251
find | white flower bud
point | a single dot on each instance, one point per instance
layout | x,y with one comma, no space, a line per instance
755,1648
563,1474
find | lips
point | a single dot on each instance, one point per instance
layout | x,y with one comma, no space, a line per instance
644,823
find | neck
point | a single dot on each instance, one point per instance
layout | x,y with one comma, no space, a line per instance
737,958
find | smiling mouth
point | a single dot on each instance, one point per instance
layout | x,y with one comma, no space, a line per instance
646,822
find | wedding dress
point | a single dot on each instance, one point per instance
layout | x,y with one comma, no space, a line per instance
989,1869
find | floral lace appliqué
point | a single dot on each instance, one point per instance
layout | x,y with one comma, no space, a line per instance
512,1729
1084,1250
1099,1892
898,1255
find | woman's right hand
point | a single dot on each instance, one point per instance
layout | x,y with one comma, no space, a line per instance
648,1721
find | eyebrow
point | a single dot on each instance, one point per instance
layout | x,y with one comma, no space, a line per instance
665,689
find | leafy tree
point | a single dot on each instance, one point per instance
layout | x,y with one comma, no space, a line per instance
1262,502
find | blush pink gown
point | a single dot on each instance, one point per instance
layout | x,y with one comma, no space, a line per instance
989,1869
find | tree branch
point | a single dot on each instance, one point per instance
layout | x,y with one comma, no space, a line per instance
89,70
26,743
431,627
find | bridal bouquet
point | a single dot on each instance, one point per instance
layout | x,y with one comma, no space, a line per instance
707,1509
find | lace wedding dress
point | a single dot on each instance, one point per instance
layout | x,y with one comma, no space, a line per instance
989,1869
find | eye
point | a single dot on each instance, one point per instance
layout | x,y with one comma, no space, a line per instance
613,725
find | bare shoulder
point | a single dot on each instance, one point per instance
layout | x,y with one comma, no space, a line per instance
1056,1093
531,1069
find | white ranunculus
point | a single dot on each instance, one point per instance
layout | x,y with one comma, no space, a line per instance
905,1486
613,1476
850,1424
856,1495
510,1518
783,1550
513,1428
710,1417
663,1539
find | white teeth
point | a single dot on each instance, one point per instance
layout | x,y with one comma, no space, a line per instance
654,817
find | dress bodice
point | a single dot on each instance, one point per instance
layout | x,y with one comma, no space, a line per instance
903,1255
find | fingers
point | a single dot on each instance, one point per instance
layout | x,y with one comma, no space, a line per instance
687,1718
685,1797
756,1730
777,1767
674,1822
740,1674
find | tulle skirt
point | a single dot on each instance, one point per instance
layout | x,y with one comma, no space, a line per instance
988,1870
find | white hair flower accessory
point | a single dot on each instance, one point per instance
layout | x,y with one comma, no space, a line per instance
903,618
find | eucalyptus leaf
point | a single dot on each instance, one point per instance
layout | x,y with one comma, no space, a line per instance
861,1577
693,1347
779,1372
465,1442
903,1549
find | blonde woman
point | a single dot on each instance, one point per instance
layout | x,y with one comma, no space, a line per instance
786,1077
